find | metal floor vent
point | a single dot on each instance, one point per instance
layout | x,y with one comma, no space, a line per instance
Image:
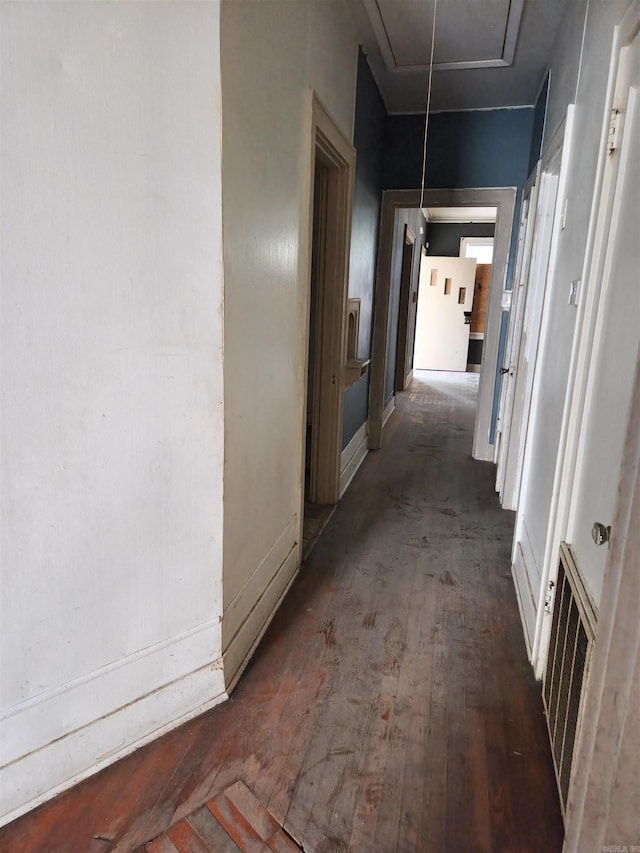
572,632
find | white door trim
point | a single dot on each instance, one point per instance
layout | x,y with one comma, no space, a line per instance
578,376
547,228
609,734
528,212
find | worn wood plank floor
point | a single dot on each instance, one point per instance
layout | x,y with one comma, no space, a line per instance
390,706
234,821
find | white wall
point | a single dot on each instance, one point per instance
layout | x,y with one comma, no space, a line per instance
273,53
603,798
590,75
112,405
442,336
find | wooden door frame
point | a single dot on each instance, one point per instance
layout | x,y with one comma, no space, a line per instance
608,702
331,148
401,373
504,199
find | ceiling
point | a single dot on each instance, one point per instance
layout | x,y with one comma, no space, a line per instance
487,53
460,214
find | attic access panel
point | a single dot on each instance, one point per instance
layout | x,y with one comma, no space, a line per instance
482,34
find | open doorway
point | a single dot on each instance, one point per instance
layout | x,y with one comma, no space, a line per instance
480,248
394,201
316,301
455,276
407,312
330,218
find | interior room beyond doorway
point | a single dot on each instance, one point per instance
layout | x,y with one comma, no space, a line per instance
395,203
455,277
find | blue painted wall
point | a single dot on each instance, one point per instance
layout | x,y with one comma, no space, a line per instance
539,116
480,148
444,237
369,135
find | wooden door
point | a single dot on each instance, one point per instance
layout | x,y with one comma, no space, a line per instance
480,299
330,217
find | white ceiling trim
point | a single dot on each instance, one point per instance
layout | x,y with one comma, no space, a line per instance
460,213
506,59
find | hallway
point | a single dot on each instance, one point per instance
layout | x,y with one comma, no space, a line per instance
391,706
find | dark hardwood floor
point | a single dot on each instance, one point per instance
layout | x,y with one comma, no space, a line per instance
390,707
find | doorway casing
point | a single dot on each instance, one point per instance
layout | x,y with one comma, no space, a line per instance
335,154
504,199
406,328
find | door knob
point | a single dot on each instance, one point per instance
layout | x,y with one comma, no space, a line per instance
504,370
600,533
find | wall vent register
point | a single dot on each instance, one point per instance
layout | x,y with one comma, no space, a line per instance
571,642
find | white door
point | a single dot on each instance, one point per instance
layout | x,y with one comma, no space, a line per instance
547,227
518,292
521,362
616,345
442,330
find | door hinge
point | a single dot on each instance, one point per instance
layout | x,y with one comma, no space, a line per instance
548,597
614,131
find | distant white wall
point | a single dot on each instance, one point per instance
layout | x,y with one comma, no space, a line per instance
112,395
274,52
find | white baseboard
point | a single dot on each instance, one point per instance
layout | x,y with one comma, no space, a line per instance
524,593
388,411
33,724
353,456
37,777
248,616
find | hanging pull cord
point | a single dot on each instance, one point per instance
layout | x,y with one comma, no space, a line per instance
426,118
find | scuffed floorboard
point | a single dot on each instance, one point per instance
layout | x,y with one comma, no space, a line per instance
390,707
233,822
